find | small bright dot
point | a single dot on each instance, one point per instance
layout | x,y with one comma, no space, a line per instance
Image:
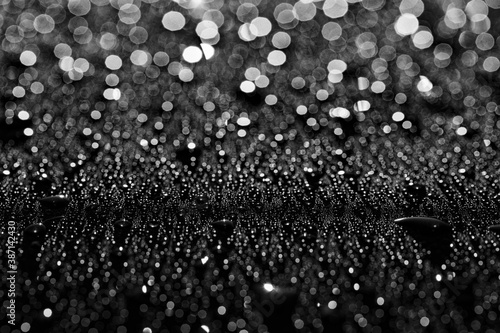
23,115
407,124
173,21
28,58
424,85
18,92
113,62
66,63
186,75
268,287
362,106
271,99
47,312
192,54
276,58
208,50
243,121
301,110
247,86
398,116
260,26
95,115
363,83
461,131
406,24
139,58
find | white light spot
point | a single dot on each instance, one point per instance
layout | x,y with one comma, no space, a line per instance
192,54
424,321
247,86
362,106
28,58
406,24
113,62
173,21
276,58
23,115
243,121
208,50
268,287
424,85
398,116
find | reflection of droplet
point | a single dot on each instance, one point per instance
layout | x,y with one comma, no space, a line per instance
28,58
421,222
362,106
37,230
276,58
406,24
495,228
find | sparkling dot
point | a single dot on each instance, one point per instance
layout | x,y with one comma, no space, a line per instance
268,287
192,54
406,24
247,86
424,321
28,58
276,58
113,62
23,115
260,26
